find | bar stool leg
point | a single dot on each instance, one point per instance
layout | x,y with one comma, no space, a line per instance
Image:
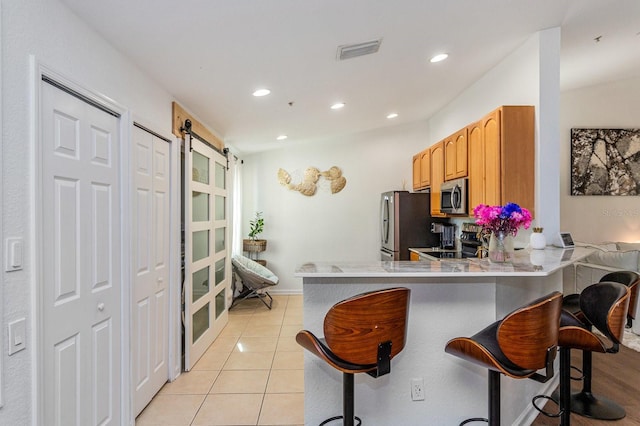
348,403
565,386
588,405
494,398
348,399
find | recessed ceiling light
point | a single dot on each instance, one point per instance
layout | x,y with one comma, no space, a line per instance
281,137
337,105
261,92
439,57
392,115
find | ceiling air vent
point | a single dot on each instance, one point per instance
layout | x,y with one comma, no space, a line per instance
352,50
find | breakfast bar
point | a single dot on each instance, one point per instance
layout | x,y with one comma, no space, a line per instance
449,298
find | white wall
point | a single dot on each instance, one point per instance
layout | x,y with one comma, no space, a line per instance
57,38
529,76
599,218
344,226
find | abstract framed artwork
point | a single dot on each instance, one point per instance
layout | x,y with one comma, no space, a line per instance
605,161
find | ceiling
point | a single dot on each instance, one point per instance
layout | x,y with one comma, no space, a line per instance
212,54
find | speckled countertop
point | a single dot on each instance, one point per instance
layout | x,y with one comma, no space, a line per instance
526,263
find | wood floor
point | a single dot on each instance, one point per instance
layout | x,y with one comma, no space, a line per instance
616,376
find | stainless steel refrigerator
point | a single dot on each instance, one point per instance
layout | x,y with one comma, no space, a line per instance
405,221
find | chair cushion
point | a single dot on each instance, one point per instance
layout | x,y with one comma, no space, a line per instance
627,260
251,266
628,246
606,246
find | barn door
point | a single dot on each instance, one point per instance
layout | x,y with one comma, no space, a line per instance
207,261
80,292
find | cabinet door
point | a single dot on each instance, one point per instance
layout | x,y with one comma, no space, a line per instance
425,168
476,166
517,155
416,172
449,158
460,142
492,160
437,176
455,155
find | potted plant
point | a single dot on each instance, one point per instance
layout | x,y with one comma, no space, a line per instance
256,227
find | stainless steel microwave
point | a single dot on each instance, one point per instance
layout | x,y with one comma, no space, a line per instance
453,196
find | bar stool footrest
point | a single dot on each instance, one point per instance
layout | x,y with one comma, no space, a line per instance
534,402
333,419
474,419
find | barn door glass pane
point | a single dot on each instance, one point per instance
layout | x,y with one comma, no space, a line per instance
200,285
200,203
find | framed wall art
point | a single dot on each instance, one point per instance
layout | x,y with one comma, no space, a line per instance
605,161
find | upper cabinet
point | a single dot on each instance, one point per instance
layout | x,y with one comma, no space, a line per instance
416,172
425,168
497,154
502,158
437,176
422,170
476,165
455,155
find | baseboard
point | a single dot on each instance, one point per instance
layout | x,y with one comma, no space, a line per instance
285,292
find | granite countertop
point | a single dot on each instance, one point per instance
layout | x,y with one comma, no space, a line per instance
526,263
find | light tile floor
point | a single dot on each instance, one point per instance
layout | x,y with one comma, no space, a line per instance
253,374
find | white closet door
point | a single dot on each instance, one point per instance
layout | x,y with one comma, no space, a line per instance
207,261
81,246
150,266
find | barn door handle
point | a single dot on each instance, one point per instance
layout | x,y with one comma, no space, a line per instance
101,307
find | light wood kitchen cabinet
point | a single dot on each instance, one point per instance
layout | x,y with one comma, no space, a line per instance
476,166
437,176
425,168
502,158
455,155
416,172
422,170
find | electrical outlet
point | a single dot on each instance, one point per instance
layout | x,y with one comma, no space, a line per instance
417,389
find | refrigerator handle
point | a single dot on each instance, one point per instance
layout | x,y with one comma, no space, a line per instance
385,220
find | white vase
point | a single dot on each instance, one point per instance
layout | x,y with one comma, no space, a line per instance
537,241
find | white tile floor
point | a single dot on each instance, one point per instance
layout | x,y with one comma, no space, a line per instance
253,374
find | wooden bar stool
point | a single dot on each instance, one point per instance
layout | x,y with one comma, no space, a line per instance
604,305
516,346
631,279
585,402
361,335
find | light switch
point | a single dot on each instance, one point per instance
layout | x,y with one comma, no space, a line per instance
13,254
17,336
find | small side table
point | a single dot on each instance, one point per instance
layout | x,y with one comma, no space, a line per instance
253,248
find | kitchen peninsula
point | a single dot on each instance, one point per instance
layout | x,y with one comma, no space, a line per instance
449,298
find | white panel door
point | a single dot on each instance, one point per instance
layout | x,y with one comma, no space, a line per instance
207,261
150,266
81,246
